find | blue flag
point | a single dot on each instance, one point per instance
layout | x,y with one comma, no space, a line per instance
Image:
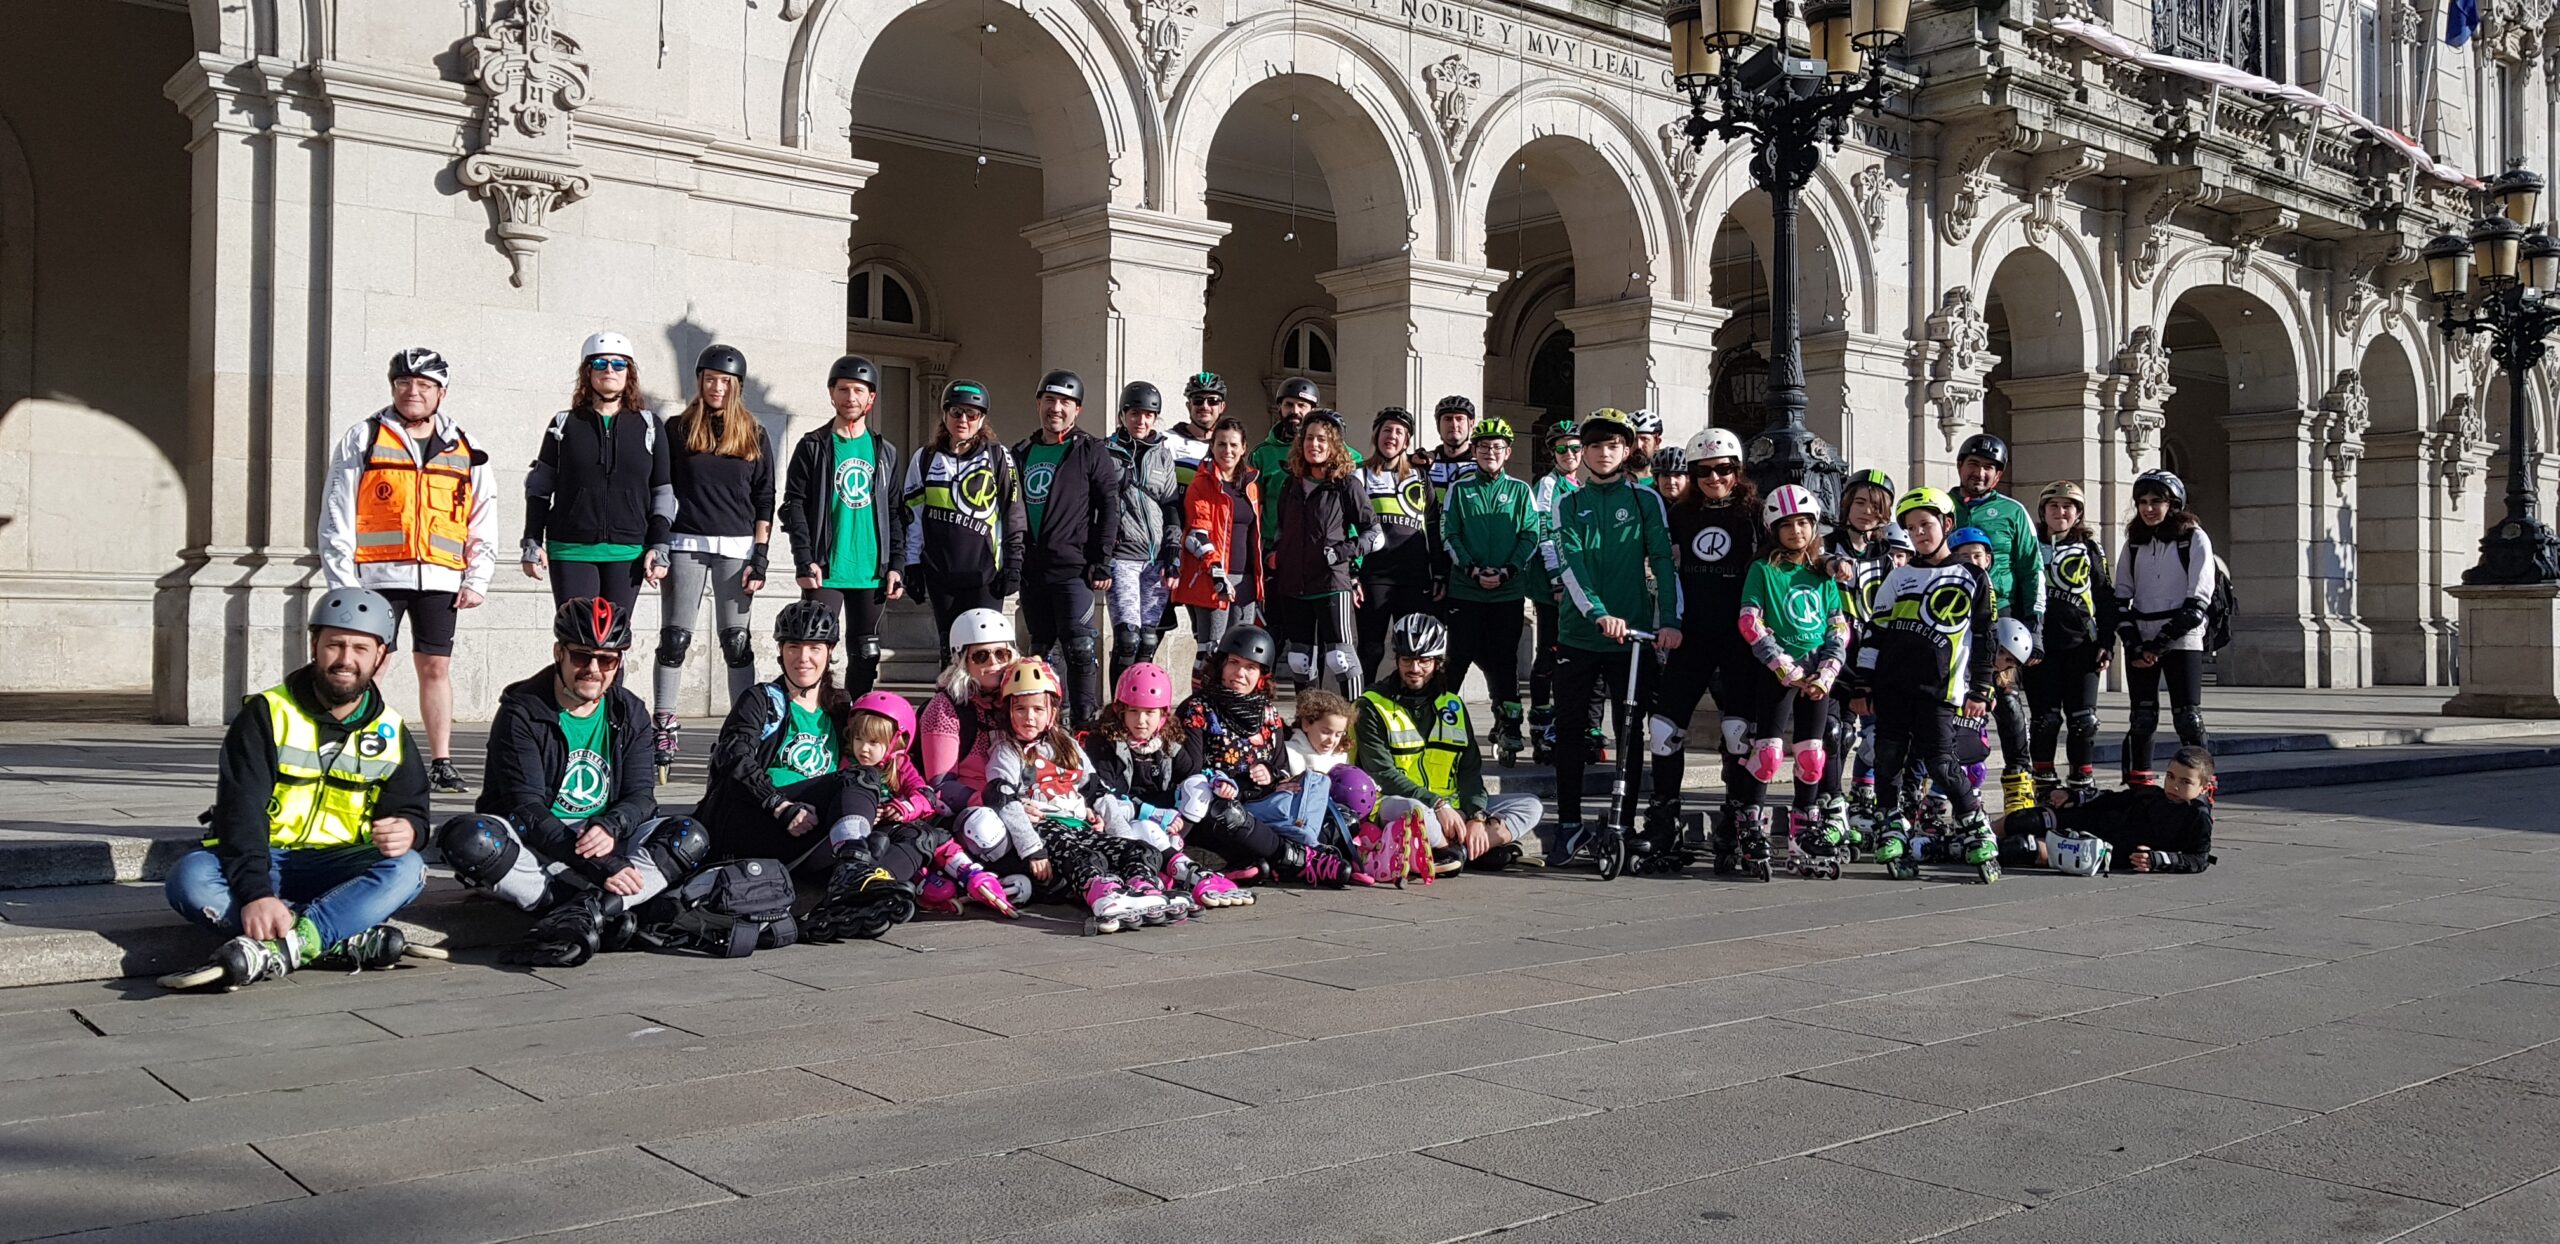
2461,21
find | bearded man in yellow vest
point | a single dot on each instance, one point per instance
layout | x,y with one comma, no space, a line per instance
1418,740
319,801
406,510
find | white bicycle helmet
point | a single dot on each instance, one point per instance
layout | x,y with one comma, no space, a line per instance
2011,634
606,343
1419,635
981,626
2071,851
1787,502
1713,443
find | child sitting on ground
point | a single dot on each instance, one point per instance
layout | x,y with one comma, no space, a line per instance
1152,767
2148,829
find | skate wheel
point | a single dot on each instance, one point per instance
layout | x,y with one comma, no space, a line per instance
1096,926
192,978
1612,856
1989,871
415,951
1761,870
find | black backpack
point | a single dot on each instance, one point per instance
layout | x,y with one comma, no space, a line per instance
728,911
2218,607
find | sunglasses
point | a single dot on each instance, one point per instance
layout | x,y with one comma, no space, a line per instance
1570,447
991,656
601,363
600,660
1718,469
1208,401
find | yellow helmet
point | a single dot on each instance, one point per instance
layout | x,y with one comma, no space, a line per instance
1492,428
1028,676
1925,498
1608,421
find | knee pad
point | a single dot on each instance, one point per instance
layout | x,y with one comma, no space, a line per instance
737,647
1340,662
1662,737
1083,649
479,849
1764,760
2190,722
1302,663
2048,719
673,643
1737,735
2028,823
1150,638
1127,644
2084,724
681,845
2143,718
866,648
984,833
1811,759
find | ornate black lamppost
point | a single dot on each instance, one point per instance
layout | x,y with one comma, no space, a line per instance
1789,104
2518,305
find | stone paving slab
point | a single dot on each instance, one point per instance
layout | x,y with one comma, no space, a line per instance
2428,1142
1681,1064
330,1110
1398,1197
88,1198
926,1205
2324,1068
2009,1064
1795,1201
2202,1201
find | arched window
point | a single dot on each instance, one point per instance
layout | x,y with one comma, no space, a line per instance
879,297
1307,347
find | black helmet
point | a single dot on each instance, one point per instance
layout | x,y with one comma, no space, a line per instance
1252,643
1326,415
1393,414
717,357
857,369
1204,382
2166,483
423,363
968,393
1300,388
1870,478
1457,402
1140,395
1987,447
592,622
1064,384
806,622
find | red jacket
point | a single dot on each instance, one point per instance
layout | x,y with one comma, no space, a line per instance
1208,507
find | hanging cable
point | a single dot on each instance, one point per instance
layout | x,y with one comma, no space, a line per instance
985,28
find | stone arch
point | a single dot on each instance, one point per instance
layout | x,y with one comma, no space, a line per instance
1610,188
2093,338
1080,88
2388,532
1832,252
2041,393
1374,141
2276,340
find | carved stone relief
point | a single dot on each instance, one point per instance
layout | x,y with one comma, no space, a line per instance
533,78
1453,94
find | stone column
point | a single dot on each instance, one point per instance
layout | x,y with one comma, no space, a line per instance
2132,415
2399,492
1407,332
2274,486
2459,468
1645,352
2510,651
2346,644
1858,390
2054,433
1122,297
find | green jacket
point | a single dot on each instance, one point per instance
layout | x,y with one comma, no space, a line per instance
1550,487
1369,749
1607,537
1490,521
2017,557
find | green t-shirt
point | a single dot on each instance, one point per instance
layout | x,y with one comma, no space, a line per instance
586,786
808,748
1796,603
1039,471
854,560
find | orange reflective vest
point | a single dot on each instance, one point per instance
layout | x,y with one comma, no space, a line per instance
412,512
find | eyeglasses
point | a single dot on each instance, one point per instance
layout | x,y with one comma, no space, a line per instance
1718,469
1208,399
602,363
991,656
600,660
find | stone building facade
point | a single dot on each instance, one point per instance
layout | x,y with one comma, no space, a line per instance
217,220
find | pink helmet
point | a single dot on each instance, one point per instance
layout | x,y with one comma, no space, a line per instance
1144,685
1355,790
893,706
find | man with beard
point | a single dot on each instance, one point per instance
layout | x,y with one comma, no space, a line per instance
567,823
319,799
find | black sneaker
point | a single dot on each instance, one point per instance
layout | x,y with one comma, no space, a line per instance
444,777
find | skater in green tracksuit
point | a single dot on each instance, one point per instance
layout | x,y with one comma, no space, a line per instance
1613,549
2017,591
1490,528
1564,458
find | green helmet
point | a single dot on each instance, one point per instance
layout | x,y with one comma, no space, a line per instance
1492,428
1563,430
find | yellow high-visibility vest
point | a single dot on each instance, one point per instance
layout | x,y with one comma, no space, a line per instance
1431,760
326,798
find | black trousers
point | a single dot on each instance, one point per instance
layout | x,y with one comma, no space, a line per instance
1717,662
1385,598
1485,635
1058,624
1787,713
1584,680
858,610
1914,725
950,602
2063,695
618,582
2183,670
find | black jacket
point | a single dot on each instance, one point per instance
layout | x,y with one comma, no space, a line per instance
717,495
527,757
1081,519
1318,550
245,778
2179,834
808,500
1154,779
592,484
751,744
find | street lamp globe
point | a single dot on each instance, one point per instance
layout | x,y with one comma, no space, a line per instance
2541,260
2518,191
2494,243
1737,24
1877,24
2449,267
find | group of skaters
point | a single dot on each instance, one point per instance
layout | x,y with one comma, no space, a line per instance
1859,652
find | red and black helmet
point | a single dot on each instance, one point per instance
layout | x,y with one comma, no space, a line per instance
592,622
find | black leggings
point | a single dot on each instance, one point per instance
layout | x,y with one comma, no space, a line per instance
742,830
1238,840
1585,679
858,608
618,582
949,602
1711,660
1916,725
1059,618
2063,692
2183,668
1787,713
1383,599
1485,635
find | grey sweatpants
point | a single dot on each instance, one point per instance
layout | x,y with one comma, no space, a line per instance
680,605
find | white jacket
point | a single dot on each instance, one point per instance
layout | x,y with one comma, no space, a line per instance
2151,585
337,535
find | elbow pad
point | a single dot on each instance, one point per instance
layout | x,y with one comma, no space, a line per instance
1197,544
1373,539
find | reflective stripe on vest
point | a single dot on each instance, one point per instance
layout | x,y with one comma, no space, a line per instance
412,512
324,796
1431,763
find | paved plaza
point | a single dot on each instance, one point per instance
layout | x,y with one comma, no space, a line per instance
2339,1033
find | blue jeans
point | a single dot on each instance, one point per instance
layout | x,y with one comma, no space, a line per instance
1300,815
343,890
